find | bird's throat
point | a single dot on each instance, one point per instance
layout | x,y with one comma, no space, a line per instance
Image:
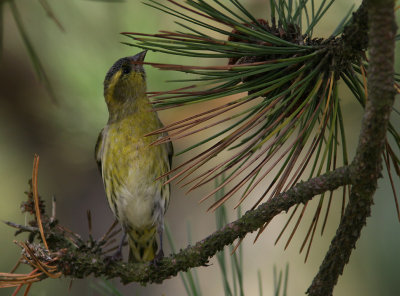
128,107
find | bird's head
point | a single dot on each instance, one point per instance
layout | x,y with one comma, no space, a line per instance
125,82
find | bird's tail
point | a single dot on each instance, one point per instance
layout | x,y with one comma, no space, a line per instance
142,244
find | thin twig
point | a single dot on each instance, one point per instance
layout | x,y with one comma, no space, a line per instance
89,219
22,227
53,209
36,198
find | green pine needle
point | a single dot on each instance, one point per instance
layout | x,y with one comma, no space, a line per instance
280,82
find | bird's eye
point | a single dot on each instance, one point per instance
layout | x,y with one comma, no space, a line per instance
126,70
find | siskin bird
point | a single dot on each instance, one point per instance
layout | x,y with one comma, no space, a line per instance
129,165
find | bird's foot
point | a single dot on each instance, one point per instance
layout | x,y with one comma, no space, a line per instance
157,259
117,256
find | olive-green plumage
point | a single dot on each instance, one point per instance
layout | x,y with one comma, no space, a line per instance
129,165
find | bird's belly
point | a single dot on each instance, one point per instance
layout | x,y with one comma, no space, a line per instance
130,167
137,199
130,172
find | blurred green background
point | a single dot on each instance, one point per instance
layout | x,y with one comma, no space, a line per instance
64,136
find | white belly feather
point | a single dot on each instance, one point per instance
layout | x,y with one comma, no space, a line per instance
138,200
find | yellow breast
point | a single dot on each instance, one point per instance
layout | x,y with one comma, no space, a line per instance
130,166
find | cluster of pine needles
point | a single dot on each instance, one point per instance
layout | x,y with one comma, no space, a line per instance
284,118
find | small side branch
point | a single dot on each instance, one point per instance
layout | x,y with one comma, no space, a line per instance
22,227
367,165
78,263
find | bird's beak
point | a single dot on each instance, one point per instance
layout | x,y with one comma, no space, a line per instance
140,56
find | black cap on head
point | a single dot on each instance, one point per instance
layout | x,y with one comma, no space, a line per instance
127,61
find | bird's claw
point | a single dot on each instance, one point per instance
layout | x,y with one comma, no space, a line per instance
157,259
117,256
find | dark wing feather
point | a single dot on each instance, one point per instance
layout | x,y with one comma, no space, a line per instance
99,149
170,150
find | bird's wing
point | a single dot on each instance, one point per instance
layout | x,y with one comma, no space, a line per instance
167,194
98,150
170,150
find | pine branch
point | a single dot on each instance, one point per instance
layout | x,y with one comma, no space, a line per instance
70,256
367,164
80,263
